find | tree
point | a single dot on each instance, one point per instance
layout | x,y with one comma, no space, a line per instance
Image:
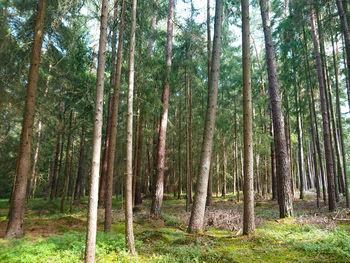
198,208
157,199
18,197
113,133
129,232
97,138
281,152
325,118
248,212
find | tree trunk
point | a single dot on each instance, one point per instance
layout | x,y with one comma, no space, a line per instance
138,161
248,211
157,198
66,166
198,208
224,168
129,232
114,122
17,205
103,177
314,120
325,119
346,34
97,138
35,161
282,158
79,179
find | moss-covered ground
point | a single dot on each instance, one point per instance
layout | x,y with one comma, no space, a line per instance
313,235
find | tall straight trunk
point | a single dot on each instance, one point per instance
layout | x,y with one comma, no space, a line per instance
282,158
103,177
190,140
248,210
66,166
179,190
157,199
217,174
210,185
129,232
188,166
224,168
97,138
52,178
325,119
314,119
79,179
346,34
198,208
138,161
59,172
17,205
114,122
300,143
339,122
35,161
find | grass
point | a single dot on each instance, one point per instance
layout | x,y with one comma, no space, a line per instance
165,240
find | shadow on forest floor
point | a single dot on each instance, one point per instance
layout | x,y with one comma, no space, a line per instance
313,235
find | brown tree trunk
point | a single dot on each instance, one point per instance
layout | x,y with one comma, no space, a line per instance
282,157
325,119
198,208
79,179
248,211
157,199
138,161
16,213
66,166
224,168
97,138
346,34
129,232
114,122
103,177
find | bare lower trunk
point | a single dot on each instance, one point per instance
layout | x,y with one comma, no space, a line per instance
282,157
114,122
97,138
129,232
16,213
248,211
325,119
157,199
198,208
79,179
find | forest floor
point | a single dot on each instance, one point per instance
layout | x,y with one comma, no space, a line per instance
313,235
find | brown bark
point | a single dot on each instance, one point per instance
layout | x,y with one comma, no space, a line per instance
224,168
129,232
325,119
346,34
97,138
66,166
35,161
198,208
79,179
282,157
157,198
114,122
138,159
248,210
16,213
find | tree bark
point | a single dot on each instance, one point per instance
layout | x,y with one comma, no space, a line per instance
346,34
198,208
97,138
114,122
66,166
282,159
79,179
325,119
248,210
17,205
129,232
157,199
